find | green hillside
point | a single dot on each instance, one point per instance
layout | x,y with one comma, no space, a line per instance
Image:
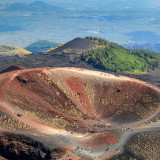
12,50
113,57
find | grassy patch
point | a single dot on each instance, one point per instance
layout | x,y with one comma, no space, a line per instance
113,57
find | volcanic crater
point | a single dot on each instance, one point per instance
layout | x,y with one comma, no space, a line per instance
74,113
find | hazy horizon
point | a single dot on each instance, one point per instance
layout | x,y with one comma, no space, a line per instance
119,21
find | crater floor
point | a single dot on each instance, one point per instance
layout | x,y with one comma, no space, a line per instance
73,113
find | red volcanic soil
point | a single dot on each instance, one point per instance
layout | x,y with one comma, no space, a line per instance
100,140
77,86
78,108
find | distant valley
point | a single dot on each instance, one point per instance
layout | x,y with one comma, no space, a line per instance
24,23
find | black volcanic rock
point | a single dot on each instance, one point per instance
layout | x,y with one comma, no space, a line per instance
17,146
77,46
12,68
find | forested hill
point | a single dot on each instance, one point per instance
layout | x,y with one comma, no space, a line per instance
41,45
113,57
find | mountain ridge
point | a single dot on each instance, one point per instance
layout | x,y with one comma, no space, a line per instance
37,6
